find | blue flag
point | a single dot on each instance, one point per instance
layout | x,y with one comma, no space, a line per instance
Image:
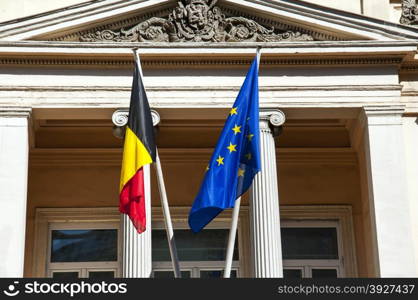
236,158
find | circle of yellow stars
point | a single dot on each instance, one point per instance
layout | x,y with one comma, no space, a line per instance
232,147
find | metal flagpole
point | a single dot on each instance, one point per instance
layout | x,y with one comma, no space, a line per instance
231,239
235,217
164,201
167,218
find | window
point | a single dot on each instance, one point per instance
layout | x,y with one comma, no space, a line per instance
77,243
201,255
311,249
85,242
83,251
317,242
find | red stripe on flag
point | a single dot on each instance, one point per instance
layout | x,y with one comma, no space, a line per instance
132,200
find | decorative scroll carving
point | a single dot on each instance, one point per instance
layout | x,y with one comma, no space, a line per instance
409,12
196,21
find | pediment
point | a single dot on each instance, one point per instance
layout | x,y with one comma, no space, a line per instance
165,21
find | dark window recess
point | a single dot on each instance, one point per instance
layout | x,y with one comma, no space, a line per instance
101,274
65,275
292,273
207,245
309,243
324,273
84,245
216,274
170,274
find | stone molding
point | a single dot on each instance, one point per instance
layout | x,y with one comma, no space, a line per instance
374,115
269,88
128,63
15,112
384,115
47,158
384,110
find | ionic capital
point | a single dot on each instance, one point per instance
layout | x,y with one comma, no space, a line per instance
272,119
120,119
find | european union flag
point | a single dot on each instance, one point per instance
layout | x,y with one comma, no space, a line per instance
236,158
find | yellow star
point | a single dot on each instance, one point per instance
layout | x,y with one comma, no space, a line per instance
236,129
250,137
248,156
220,160
233,111
231,148
207,168
241,172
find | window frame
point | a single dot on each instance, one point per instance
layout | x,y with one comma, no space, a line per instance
341,213
194,267
308,264
48,219
338,216
85,267
179,217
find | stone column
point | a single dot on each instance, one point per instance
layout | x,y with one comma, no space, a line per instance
264,203
389,205
137,248
14,152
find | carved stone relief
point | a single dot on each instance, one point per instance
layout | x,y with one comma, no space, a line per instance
196,21
409,12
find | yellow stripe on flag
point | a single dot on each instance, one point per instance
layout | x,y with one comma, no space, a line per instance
135,155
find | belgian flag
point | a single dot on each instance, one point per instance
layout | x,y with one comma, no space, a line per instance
138,151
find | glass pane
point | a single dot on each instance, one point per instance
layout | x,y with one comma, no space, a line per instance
216,274
101,274
65,275
309,243
170,274
84,245
207,245
292,273
324,273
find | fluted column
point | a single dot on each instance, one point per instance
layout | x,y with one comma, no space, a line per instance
264,203
14,152
137,248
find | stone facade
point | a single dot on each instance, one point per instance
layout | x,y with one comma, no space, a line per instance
346,83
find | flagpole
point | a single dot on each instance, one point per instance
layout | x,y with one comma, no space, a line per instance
167,218
164,200
235,216
231,239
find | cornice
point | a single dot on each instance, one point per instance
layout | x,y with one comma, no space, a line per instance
264,88
390,60
15,112
70,158
320,45
409,68
205,54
